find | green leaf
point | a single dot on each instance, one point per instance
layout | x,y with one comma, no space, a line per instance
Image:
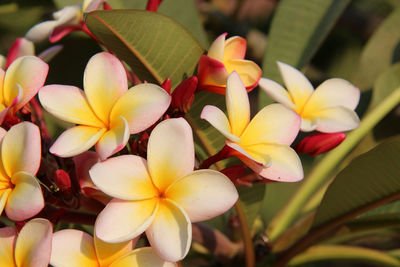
387,82
297,30
153,45
210,141
378,54
183,11
252,199
368,181
335,253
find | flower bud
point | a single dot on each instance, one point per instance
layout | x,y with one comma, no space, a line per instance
166,85
319,143
183,95
62,180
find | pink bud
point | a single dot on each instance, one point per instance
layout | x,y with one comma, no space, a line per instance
166,85
107,6
62,180
183,95
152,5
319,143
21,47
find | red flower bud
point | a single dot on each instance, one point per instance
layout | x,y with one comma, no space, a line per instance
62,180
166,85
107,6
183,95
152,5
319,143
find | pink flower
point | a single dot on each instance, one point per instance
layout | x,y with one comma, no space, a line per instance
106,112
162,195
222,59
20,192
262,143
328,109
31,247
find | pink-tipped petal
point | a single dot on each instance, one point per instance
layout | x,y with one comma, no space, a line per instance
76,140
21,149
142,105
337,119
285,163
107,253
33,246
68,103
298,85
114,139
275,91
212,75
26,199
125,177
41,31
3,113
83,163
334,92
216,50
170,152
104,82
30,73
249,72
140,257
273,124
203,194
123,220
170,234
73,248
60,32
235,48
21,47
8,235
237,104
219,121
50,52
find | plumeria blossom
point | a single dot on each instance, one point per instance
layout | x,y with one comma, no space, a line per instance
162,195
330,108
66,20
224,57
74,248
30,248
23,47
20,193
106,111
263,142
20,82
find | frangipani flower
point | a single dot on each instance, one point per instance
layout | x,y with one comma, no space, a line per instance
162,195
20,82
66,20
20,193
223,58
30,248
330,108
262,143
74,248
107,112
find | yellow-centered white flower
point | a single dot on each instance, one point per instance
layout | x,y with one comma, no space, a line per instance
329,109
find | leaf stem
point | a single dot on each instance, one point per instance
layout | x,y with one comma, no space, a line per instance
320,172
249,254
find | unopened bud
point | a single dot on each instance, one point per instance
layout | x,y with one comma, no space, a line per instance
166,85
152,5
183,95
62,180
319,143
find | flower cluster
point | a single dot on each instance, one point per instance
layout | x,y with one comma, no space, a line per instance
143,174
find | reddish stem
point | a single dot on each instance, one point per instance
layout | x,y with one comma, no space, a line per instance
224,153
37,109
